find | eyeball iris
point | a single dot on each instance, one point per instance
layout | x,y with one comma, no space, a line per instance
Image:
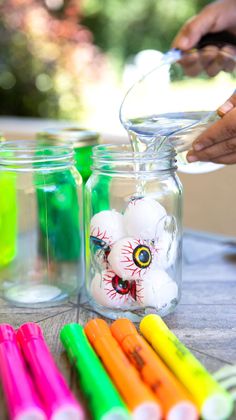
142,256
121,286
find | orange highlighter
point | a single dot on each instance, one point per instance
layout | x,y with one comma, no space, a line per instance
141,401
175,402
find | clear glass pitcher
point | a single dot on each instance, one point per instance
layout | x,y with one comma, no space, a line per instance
41,226
167,107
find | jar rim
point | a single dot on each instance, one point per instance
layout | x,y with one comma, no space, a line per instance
75,135
22,151
126,153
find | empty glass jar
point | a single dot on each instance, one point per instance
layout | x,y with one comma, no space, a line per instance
41,235
133,232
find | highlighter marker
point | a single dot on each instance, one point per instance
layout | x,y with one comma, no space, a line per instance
140,400
175,401
55,394
103,399
18,388
213,401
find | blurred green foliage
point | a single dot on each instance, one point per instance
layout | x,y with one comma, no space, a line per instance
124,27
52,50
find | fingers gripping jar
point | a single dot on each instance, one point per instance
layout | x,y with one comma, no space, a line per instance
133,246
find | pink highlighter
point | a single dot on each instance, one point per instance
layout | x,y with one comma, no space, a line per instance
55,393
20,394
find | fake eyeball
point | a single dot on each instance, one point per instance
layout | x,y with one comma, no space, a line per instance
159,290
99,253
107,226
167,253
109,290
130,258
166,243
141,217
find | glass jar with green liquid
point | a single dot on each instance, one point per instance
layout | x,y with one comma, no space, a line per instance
41,224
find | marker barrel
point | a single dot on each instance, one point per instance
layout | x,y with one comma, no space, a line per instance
140,400
174,398
55,393
213,401
18,388
103,399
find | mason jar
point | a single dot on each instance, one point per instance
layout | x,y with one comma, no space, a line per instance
133,241
82,141
41,235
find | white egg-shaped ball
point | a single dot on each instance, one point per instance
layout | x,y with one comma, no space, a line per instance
166,243
130,258
159,290
100,294
142,216
108,226
167,252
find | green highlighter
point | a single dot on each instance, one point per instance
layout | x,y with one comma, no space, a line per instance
103,398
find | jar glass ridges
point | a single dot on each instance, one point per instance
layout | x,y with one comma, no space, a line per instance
82,141
133,232
41,223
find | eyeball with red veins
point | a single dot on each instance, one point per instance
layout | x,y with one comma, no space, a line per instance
111,291
107,226
130,258
159,290
142,216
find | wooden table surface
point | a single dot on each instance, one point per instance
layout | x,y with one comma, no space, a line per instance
205,320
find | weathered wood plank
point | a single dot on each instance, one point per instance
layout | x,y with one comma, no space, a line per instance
200,317
18,316
209,293
206,271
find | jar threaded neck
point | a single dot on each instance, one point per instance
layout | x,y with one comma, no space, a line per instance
32,152
122,158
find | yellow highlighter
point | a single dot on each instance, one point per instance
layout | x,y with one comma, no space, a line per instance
213,401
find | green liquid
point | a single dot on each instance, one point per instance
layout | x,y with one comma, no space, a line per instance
58,216
8,218
83,161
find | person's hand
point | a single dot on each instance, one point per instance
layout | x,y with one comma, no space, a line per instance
218,143
217,16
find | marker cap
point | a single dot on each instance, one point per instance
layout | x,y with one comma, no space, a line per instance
149,323
96,328
183,410
28,331
7,333
121,328
69,333
218,407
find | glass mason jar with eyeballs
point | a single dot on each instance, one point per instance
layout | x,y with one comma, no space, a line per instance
133,232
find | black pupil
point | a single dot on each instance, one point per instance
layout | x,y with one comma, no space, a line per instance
144,256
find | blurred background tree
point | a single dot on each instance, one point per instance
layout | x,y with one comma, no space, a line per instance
122,28
54,53
47,58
